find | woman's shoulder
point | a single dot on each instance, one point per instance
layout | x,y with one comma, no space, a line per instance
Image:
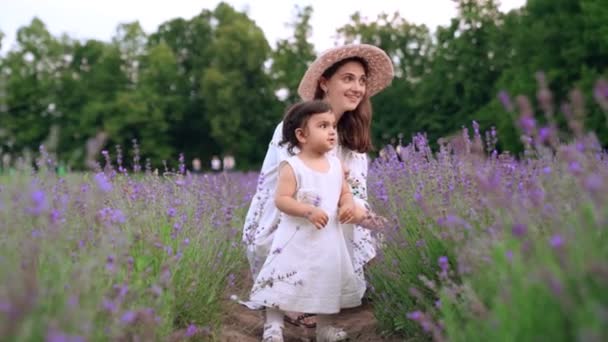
278,131
349,156
277,135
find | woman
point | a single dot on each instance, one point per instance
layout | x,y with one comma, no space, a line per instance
345,77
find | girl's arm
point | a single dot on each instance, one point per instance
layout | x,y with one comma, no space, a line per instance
285,201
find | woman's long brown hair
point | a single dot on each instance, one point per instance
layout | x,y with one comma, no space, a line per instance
354,127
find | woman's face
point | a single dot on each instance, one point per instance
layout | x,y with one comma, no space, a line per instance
346,88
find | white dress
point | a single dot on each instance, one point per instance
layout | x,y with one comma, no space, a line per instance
309,269
262,216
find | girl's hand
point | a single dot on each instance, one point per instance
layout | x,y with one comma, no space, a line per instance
346,213
317,217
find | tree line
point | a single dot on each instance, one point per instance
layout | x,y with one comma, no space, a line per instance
213,85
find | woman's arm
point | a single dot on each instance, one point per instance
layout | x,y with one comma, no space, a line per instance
364,216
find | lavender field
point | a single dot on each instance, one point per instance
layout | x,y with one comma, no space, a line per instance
118,256
482,246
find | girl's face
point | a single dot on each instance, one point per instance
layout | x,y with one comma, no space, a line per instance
345,89
319,135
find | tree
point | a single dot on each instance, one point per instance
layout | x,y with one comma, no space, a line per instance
563,40
291,57
185,110
31,84
131,41
239,98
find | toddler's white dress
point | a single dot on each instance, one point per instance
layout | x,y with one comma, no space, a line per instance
309,269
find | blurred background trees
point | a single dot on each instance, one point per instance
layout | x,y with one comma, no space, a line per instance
213,85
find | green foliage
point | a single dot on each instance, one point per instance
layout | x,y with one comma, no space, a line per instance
291,57
239,99
209,85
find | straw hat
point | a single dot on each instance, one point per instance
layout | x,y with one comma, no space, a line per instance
380,68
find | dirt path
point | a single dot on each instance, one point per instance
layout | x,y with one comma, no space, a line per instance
244,325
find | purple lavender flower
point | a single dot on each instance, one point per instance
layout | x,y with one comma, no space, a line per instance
171,212
102,182
38,202
118,216
555,285
111,216
58,336
156,290
317,201
182,164
73,301
5,307
426,326
575,167
543,134
504,98
191,331
443,263
108,305
55,216
594,183
414,315
128,317
509,255
556,241
580,146
519,230
122,290
453,221
527,124
177,226
110,263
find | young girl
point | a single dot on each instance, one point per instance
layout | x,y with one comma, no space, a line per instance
309,268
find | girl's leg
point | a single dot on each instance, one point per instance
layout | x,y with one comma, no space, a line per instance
328,333
273,328
274,316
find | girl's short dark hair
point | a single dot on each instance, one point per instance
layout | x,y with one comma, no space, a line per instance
296,117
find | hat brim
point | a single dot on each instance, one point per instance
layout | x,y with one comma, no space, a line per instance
380,68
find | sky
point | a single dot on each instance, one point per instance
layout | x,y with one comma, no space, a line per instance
87,19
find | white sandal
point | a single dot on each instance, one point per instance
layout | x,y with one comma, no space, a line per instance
272,333
330,334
